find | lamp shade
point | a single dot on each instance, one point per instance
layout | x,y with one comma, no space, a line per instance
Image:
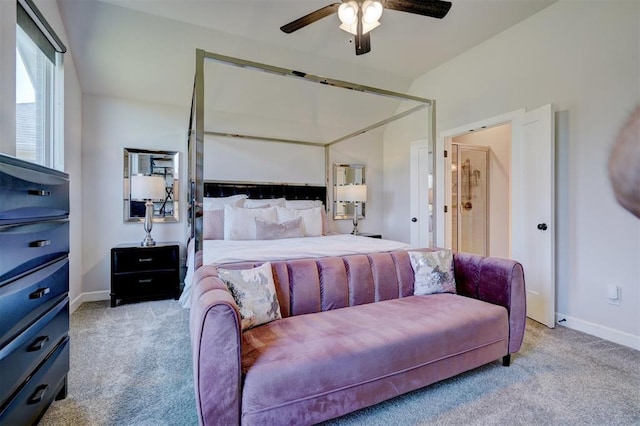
351,193
147,187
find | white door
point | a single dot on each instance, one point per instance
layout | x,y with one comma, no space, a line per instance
533,222
421,187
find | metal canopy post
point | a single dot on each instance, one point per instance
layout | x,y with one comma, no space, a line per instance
197,162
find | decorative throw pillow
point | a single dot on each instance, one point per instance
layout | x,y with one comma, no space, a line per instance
213,224
311,219
240,224
254,292
433,272
268,230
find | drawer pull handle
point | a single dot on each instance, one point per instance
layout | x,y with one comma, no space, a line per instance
38,344
39,293
39,243
148,280
38,395
39,192
145,259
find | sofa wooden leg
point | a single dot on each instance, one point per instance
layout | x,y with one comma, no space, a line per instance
506,360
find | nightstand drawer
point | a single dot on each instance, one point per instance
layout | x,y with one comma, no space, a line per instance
144,259
24,353
146,284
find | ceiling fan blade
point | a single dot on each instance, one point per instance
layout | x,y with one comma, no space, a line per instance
310,18
362,41
433,8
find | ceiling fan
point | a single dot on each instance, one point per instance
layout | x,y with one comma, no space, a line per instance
359,17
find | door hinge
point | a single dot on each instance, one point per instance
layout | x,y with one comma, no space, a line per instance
446,209
445,153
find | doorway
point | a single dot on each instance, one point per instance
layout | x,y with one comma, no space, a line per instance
530,213
489,152
470,198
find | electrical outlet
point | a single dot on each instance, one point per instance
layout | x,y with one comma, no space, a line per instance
614,294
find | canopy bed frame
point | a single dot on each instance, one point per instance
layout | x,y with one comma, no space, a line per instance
198,188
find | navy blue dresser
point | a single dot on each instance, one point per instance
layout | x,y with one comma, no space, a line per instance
34,286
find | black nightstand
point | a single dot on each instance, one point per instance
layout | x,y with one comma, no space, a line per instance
139,273
364,234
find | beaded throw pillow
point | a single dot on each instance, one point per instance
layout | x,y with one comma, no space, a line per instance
433,272
254,292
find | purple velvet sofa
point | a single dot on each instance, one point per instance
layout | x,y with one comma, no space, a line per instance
335,351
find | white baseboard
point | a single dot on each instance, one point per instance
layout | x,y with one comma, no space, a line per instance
610,334
92,296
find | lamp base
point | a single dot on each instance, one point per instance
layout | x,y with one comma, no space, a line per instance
148,225
148,241
355,220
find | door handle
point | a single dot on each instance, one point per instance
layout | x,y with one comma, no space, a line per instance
542,226
414,219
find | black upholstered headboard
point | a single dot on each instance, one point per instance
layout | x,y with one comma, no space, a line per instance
265,190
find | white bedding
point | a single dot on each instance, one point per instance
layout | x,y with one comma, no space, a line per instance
219,252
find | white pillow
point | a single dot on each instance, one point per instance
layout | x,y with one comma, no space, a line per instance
433,272
215,203
240,223
311,219
254,292
302,204
264,202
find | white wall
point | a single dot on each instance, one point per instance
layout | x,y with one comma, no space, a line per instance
109,126
395,152
261,161
584,58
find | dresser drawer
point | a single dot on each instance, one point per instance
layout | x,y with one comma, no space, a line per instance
28,405
147,284
31,192
29,245
23,354
26,299
144,259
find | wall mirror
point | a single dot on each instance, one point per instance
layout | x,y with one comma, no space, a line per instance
160,164
345,174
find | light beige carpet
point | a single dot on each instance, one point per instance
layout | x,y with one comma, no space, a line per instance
131,365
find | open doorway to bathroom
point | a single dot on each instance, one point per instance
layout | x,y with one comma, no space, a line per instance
479,191
470,198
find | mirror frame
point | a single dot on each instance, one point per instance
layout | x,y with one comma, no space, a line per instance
343,210
174,157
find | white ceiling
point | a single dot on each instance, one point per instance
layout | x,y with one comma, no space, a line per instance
145,50
404,44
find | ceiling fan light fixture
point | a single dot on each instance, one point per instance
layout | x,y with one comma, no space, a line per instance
371,12
353,28
348,13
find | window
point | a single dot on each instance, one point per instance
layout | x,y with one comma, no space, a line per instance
38,89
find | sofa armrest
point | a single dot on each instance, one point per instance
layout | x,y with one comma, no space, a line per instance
216,346
498,281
